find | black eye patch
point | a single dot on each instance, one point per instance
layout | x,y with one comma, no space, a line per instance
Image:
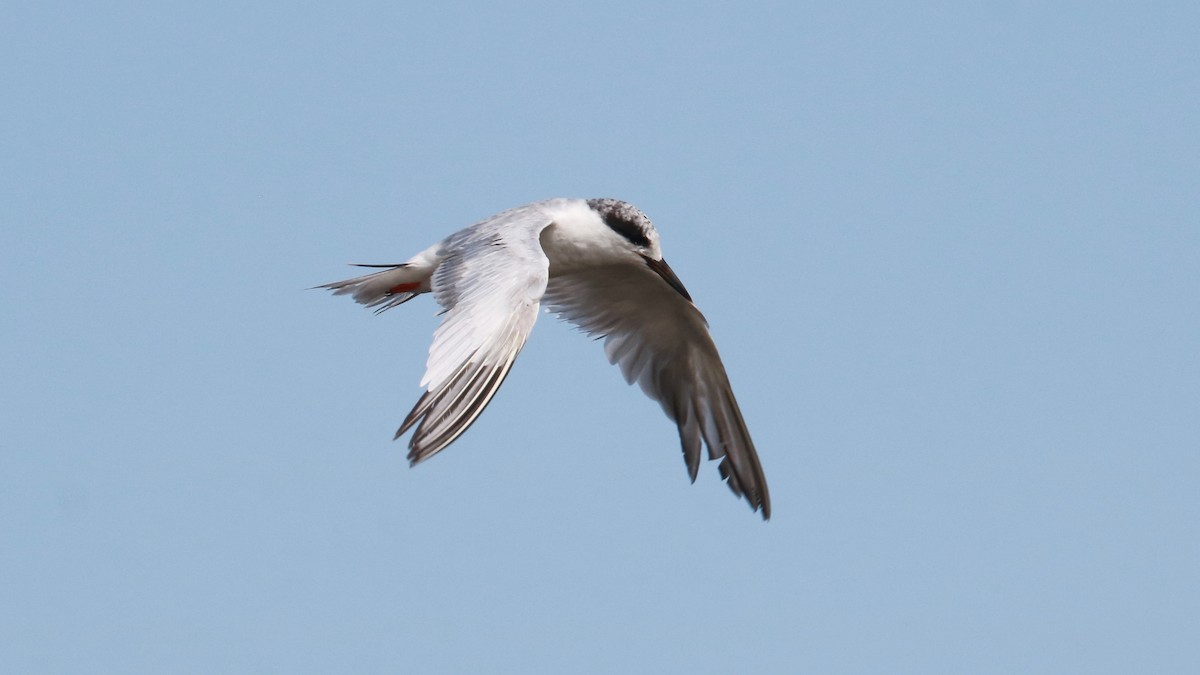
622,221
628,229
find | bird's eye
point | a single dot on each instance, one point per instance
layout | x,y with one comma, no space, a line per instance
627,228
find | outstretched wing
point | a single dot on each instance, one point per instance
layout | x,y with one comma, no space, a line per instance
661,341
490,281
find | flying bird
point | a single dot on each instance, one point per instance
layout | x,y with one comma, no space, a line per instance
596,263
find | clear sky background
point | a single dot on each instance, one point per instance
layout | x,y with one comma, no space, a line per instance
950,253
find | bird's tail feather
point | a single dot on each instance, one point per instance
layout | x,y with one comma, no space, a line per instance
393,286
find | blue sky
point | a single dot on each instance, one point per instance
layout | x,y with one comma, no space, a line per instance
950,253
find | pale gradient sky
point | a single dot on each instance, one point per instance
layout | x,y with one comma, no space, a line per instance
950,253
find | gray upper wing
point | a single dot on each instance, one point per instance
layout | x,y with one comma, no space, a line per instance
490,281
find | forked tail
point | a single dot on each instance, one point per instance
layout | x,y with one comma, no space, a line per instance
393,286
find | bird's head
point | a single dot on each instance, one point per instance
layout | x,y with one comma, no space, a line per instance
635,228
630,223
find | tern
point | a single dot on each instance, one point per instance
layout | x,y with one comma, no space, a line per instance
596,263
